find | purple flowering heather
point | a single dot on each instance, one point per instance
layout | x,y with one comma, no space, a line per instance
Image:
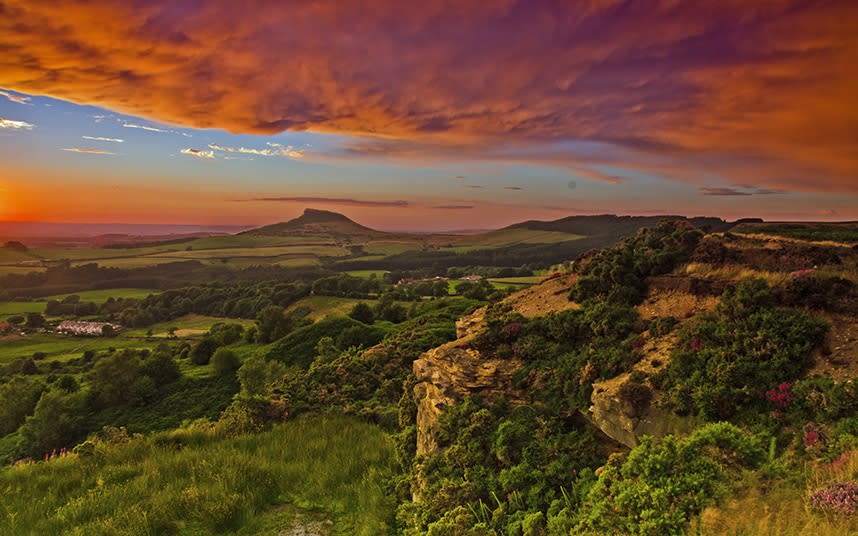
838,498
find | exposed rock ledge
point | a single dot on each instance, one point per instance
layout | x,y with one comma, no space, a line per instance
449,373
621,422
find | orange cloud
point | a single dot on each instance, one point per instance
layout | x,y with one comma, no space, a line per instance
759,92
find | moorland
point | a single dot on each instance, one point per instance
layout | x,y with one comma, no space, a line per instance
588,375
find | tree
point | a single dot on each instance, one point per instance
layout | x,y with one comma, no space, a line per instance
18,398
67,383
35,320
225,361
56,422
362,313
161,367
272,324
112,379
202,352
256,374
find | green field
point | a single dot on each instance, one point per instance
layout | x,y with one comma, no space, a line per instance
19,307
510,237
60,347
365,274
128,262
302,261
526,280
101,296
391,248
186,326
329,469
322,306
10,308
273,252
250,241
5,270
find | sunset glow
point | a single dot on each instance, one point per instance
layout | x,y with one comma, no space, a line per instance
441,115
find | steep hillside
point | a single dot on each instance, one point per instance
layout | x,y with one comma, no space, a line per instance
659,336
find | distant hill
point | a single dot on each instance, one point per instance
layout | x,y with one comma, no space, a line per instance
609,224
318,223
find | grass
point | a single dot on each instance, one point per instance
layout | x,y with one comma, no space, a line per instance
735,272
365,274
188,325
192,482
322,306
510,237
101,296
836,232
783,509
60,347
10,308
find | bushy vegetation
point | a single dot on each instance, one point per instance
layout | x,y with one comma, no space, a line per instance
298,347
660,485
727,359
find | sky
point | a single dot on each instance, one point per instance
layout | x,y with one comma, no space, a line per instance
436,115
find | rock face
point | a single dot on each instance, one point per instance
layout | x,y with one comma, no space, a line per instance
619,419
449,373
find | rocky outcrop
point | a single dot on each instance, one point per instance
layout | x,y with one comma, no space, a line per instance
623,414
448,374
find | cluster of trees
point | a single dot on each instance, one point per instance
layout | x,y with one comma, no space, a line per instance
43,413
66,279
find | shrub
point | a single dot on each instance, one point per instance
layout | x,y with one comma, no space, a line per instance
203,351
660,485
225,361
635,397
661,326
727,359
362,313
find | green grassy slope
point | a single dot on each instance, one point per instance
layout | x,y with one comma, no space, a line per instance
192,482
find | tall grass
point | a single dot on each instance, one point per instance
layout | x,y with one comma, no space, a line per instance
783,509
191,482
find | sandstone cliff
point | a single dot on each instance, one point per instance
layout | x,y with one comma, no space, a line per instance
449,373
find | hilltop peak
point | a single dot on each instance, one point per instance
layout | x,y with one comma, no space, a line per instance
316,222
316,215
